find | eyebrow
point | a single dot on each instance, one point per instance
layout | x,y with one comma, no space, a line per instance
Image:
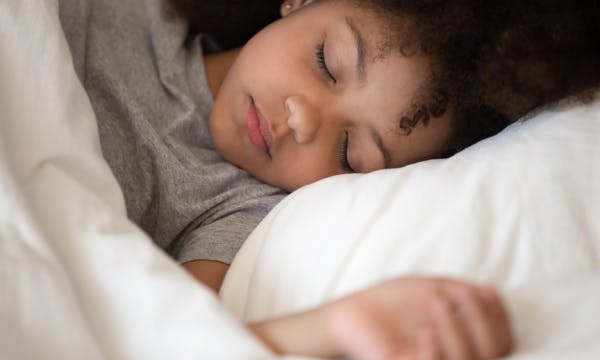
360,49
379,142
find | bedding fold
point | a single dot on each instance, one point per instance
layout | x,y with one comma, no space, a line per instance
77,278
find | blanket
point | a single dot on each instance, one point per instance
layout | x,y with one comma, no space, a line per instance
77,279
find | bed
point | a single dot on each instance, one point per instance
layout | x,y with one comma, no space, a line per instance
79,280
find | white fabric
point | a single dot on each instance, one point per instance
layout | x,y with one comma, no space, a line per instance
520,210
77,279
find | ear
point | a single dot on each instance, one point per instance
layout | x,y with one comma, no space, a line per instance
289,6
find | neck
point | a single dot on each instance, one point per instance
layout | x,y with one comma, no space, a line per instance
217,66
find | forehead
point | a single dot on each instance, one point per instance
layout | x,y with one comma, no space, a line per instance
395,87
395,84
380,29
392,83
358,10
393,92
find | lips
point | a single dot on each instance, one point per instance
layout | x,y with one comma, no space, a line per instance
258,129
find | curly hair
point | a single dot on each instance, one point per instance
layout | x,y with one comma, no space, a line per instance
232,23
495,61
491,61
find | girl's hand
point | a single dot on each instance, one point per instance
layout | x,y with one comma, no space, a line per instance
421,318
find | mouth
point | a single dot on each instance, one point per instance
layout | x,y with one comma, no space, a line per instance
258,129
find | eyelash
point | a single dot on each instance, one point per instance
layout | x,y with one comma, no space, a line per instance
320,55
344,155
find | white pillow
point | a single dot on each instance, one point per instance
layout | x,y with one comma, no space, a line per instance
520,207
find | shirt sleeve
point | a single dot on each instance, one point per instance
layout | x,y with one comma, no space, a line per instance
221,239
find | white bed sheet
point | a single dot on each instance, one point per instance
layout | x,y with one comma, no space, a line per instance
77,279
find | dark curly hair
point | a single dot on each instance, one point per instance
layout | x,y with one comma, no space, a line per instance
491,61
231,23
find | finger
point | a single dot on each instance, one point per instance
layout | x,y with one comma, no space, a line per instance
486,318
453,336
492,300
502,319
484,328
428,347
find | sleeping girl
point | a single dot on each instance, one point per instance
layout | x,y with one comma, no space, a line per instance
205,137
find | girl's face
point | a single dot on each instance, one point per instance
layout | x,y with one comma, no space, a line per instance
311,96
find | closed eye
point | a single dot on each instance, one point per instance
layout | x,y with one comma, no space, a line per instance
320,55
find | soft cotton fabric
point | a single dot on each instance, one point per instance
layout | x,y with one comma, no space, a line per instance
147,85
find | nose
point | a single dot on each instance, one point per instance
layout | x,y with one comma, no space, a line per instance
304,118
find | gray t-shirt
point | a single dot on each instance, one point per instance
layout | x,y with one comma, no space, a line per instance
146,82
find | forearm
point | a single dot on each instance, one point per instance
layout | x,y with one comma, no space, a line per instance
401,318
307,333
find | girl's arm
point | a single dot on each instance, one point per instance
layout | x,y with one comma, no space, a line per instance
408,318
412,317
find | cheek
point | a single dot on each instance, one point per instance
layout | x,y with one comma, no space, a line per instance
297,169
276,58
222,127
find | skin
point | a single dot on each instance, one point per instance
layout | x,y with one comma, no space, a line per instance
306,116
405,318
